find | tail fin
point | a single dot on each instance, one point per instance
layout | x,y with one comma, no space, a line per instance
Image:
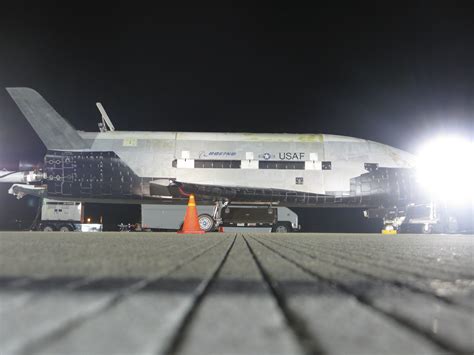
53,130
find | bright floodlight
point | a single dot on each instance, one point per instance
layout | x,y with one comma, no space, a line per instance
446,168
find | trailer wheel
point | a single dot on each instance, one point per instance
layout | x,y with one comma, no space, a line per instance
48,228
65,228
206,222
281,227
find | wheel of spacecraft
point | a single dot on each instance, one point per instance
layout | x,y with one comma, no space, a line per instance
206,222
282,227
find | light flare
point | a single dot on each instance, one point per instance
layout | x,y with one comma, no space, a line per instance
445,167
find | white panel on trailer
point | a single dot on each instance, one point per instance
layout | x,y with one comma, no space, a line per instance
61,210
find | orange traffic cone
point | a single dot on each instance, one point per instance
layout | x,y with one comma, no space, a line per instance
191,222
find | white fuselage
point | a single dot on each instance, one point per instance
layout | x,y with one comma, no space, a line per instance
179,155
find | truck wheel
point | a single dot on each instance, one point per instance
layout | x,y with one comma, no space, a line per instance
281,228
206,222
452,226
48,228
65,228
427,229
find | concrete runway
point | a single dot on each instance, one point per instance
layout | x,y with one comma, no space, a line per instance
160,293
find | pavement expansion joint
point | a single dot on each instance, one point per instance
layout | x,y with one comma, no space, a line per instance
444,345
309,343
338,254
394,283
227,293
198,295
33,345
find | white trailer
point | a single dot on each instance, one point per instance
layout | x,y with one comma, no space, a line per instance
64,216
252,218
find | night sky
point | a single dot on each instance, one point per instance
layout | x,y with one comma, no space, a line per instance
394,74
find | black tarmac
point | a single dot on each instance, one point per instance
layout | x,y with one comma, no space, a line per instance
163,293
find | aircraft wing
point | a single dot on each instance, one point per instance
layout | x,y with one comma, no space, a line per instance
380,187
266,195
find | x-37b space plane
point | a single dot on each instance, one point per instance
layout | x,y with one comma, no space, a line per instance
294,170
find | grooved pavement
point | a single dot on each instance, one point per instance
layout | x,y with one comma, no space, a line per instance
162,293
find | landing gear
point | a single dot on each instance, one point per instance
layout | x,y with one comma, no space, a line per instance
217,214
392,218
388,227
423,218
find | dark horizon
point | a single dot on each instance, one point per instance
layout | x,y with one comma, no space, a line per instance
392,74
